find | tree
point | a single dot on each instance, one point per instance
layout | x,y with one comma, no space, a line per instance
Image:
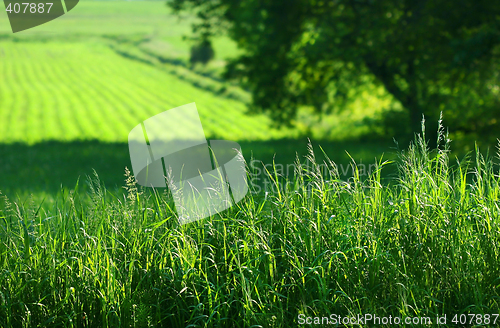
201,53
431,56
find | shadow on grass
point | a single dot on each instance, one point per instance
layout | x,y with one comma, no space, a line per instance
45,167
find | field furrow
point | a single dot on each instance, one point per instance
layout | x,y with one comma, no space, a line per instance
73,91
17,120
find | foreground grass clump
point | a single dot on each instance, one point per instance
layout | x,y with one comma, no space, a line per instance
426,244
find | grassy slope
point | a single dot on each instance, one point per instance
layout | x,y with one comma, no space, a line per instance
70,91
163,33
80,78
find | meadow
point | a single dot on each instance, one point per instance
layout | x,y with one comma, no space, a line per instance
423,248
82,246
79,84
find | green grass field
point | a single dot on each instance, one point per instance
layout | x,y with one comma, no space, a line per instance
421,249
74,98
79,84
418,238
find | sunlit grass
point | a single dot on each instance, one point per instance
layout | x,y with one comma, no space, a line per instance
425,245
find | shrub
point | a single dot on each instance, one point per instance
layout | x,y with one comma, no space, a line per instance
201,53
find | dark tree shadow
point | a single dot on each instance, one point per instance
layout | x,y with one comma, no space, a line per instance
45,167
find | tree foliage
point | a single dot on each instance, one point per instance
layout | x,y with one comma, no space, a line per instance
431,56
201,53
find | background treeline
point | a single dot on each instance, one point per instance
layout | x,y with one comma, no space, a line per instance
428,56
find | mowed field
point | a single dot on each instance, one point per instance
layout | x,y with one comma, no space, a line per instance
72,89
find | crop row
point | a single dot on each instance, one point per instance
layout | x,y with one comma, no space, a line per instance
69,91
